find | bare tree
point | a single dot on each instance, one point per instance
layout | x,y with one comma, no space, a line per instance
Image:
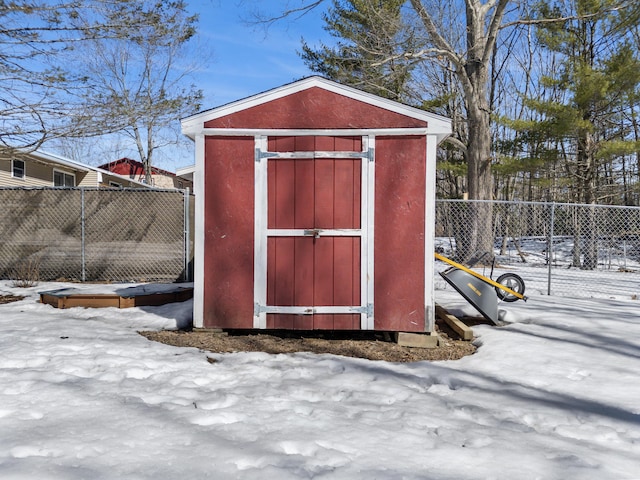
78,69
139,84
37,91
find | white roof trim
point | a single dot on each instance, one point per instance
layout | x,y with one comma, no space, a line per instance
51,158
186,173
180,172
338,132
438,125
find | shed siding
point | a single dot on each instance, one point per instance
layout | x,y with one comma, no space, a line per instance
399,234
229,232
315,108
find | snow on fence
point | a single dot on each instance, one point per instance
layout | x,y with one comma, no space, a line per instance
85,234
558,248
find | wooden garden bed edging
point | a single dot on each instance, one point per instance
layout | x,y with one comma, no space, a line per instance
69,298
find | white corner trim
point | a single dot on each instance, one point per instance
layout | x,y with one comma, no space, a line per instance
199,229
429,231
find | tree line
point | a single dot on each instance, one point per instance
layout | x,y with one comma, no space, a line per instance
543,95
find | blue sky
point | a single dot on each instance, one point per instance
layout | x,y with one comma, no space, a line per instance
246,60
242,60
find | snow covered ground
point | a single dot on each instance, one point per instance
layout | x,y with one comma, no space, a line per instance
555,394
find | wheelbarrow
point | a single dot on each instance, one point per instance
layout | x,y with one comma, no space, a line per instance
480,291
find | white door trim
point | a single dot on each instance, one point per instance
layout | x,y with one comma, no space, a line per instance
262,232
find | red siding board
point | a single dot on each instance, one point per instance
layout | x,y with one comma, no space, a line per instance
315,108
229,226
304,271
399,234
304,196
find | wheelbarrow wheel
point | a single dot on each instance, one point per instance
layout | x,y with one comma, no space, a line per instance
512,282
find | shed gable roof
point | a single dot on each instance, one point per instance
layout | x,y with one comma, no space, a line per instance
315,103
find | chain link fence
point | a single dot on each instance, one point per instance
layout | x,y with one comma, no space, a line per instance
82,234
558,249
136,235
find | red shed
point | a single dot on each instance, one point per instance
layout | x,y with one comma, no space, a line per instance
315,210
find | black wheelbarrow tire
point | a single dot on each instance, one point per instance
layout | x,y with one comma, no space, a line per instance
512,282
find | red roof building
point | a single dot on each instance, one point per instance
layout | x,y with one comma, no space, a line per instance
135,171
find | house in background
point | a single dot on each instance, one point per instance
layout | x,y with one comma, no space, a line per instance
41,169
135,171
186,173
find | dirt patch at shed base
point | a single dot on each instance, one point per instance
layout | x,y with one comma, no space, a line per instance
368,345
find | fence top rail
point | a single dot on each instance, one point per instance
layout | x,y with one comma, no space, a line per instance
547,204
98,189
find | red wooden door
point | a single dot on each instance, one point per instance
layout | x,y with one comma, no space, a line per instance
314,235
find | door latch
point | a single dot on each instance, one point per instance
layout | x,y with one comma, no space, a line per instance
315,233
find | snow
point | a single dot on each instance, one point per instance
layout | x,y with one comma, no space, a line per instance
554,394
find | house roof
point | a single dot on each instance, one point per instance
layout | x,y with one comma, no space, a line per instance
50,158
437,125
186,172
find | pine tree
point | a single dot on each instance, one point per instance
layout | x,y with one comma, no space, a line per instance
371,34
597,71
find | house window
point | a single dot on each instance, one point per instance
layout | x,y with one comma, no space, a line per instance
62,179
115,185
17,168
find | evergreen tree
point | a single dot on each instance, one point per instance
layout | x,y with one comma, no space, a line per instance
371,34
597,71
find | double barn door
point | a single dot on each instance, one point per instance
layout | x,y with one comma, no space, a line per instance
313,241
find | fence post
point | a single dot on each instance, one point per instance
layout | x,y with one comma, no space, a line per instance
550,247
187,240
82,234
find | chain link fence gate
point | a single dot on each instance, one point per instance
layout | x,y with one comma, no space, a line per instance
558,249
83,234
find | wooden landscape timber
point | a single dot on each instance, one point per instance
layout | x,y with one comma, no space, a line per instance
465,332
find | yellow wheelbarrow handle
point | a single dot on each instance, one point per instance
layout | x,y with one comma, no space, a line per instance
481,277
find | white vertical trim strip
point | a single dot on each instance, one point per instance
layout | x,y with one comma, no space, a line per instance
429,231
364,288
198,241
261,219
368,213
